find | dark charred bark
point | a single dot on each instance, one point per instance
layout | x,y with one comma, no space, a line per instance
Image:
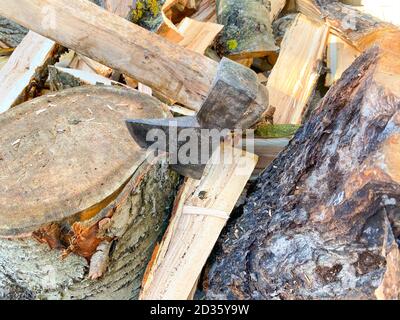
323,220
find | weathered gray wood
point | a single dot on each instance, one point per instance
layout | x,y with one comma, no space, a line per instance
323,220
247,32
74,184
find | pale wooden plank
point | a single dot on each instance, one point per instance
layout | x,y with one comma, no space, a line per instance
197,35
195,226
295,74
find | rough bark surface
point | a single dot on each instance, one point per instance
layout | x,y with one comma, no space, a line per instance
11,33
323,220
80,207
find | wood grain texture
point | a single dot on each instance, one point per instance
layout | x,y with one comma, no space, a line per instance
26,70
197,35
340,55
385,10
62,154
322,221
290,88
64,78
206,11
111,40
11,34
200,212
133,222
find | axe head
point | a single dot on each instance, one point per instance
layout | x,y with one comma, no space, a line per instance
236,100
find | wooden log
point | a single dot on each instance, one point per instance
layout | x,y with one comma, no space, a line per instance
206,11
200,212
385,10
180,74
119,7
75,185
322,221
360,30
340,55
290,89
248,29
11,34
281,25
149,14
65,78
26,71
276,8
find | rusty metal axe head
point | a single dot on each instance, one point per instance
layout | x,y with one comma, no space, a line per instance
236,100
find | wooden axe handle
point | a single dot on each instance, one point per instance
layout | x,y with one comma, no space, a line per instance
180,74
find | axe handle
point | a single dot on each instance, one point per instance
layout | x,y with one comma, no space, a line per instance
180,74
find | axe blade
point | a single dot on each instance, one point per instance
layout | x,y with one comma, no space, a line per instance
144,130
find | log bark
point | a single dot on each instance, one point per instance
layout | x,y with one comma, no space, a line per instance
290,89
322,222
177,73
11,33
79,220
248,29
25,73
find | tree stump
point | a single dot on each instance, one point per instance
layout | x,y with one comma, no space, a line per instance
81,208
323,220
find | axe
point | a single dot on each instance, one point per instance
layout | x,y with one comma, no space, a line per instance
225,95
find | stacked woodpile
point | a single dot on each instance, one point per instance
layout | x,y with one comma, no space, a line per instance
313,212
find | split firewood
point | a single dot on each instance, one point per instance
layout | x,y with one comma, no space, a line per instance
65,78
121,8
276,8
174,71
177,10
360,30
200,213
75,185
322,221
267,151
340,55
24,74
80,62
290,89
248,29
149,14
281,25
197,35
386,10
